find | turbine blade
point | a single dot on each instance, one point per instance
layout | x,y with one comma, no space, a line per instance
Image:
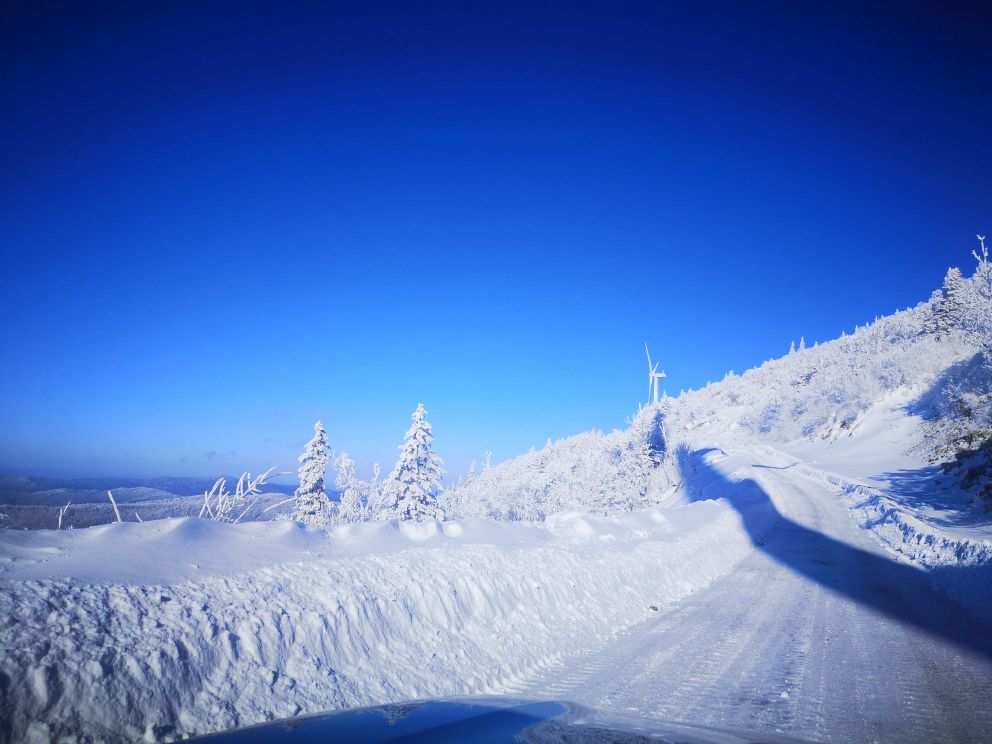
648,353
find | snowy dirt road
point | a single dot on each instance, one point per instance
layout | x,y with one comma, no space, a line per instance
818,634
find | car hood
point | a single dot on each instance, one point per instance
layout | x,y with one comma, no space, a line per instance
481,720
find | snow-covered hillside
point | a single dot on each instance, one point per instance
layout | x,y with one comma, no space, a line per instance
593,472
936,357
866,456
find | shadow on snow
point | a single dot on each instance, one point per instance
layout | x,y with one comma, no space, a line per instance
897,590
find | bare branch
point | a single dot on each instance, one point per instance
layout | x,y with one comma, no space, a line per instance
62,512
117,512
274,506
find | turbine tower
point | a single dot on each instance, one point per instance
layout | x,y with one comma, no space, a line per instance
653,374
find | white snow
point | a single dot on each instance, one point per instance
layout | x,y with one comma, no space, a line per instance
780,551
186,626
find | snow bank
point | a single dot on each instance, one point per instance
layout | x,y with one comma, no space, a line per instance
959,557
163,630
948,553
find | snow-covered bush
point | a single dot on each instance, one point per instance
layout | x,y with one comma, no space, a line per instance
361,500
973,470
312,506
222,505
592,472
957,409
976,310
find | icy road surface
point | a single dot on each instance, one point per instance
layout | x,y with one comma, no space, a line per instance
819,634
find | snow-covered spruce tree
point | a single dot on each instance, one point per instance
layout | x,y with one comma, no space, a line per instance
934,323
952,301
413,485
312,506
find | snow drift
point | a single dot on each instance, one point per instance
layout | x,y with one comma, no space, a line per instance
162,630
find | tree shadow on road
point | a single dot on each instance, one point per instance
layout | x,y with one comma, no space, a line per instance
885,586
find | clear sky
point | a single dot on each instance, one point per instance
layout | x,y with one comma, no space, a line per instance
220,222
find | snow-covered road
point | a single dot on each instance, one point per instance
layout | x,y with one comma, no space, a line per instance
819,634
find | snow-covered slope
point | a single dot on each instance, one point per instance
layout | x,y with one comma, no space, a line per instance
823,392
882,413
934,360
592,472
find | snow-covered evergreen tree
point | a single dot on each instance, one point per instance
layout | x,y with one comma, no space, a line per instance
312,506
471,473
935,323
953,298
415,481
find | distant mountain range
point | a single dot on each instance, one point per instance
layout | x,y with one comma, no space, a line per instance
34,490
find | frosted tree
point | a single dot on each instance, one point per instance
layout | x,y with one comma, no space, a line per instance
312,506
471,473
352,504
934,323
983,259
375,498
415,481
953,298
976,301
346,471
983,272
648,430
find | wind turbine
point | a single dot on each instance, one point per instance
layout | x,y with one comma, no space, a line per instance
653,374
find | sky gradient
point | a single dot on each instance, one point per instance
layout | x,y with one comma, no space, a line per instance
220,222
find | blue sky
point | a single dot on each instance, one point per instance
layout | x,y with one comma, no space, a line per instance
220,222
